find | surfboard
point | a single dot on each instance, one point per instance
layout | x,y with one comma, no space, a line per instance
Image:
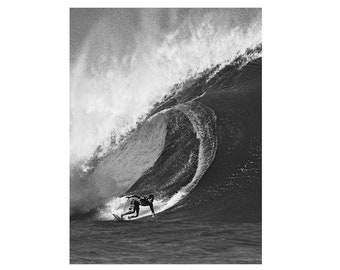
118,218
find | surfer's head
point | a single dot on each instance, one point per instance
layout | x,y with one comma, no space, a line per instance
151,197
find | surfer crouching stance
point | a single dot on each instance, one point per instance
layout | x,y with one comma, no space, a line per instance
139,201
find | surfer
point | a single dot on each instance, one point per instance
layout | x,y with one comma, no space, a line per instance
139,201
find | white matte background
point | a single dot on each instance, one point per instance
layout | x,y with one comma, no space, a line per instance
301,119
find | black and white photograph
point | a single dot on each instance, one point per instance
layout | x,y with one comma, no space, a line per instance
188,134
165,136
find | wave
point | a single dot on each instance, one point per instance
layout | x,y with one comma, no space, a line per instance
177,171
167,154
181,129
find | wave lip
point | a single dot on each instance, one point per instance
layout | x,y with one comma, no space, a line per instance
115,84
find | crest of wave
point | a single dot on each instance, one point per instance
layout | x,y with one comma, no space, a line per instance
123,70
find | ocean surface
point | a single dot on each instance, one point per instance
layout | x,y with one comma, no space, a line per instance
165,241
199,152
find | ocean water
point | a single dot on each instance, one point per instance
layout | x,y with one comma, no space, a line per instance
164,241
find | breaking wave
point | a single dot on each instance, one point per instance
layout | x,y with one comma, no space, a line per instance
145,119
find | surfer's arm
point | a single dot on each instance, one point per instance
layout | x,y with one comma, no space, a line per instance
151,208
133,196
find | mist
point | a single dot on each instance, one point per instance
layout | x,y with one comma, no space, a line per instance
123,61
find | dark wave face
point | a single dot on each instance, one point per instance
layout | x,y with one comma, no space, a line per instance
231,187
198,152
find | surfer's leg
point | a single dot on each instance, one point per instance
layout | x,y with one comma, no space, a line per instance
137,212
127,213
